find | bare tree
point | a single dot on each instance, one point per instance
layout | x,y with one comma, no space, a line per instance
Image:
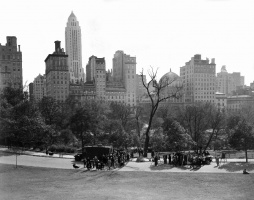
163,90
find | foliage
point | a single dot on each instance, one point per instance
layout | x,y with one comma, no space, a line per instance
20,119
242,136
81,124
61,148
176,137
49,109
199,118
121,112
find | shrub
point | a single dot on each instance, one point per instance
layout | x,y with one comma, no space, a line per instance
61,148
140,159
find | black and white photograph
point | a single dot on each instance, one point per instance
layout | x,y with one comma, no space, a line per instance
127,99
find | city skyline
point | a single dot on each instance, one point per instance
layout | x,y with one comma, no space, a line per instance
163,34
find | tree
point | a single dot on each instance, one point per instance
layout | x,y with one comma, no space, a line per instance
20,119
81,124
163,90
49,109
176,136
121,112
197,119
242,137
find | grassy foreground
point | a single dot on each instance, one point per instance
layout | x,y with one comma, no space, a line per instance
44,183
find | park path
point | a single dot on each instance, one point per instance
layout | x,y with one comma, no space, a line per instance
63,163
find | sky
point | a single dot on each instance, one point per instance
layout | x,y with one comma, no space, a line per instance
162,34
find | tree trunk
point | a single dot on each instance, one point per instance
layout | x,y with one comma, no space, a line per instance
246,155
82,143
146,143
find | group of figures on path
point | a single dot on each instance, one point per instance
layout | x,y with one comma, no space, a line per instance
107,162
182,158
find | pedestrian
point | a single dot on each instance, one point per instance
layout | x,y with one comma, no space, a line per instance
156,161
84,161
96,162
169,159
109,162
217,158
88,163
112,161
165,159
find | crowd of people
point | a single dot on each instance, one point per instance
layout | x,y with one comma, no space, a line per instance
182,158
107,162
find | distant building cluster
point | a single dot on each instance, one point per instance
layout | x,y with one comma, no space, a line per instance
65,77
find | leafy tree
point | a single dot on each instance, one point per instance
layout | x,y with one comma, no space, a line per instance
163,90
81,124
242,137
20,119
49,109
121,112
199,118
176,136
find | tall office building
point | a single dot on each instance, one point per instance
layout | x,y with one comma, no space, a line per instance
74,49
96,73
10,64
124,70
225,82
57,74
39,87
199,79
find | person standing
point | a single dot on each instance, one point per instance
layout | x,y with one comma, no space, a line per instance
217,158
112,161
156,160
169,159
88,163
109,162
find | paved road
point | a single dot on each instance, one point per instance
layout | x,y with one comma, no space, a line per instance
62,163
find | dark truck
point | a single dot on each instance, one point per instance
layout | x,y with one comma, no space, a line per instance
92,151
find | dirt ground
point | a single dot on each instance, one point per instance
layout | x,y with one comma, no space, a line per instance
47,183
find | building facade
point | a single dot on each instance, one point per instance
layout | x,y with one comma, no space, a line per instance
235,103
199,79
96,73
221,100
11,64
225,82
39,87
74,49
124,71
57,74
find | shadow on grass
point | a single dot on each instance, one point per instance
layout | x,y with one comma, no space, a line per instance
166,166
238,166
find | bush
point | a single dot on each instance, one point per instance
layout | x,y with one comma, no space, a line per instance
61,148
140,159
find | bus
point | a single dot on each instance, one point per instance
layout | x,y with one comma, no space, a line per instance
92,151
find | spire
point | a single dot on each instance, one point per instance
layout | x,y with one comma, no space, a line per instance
72,15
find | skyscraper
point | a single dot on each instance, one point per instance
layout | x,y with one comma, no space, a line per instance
74,49
124,70
96,73
199,79
57,74
10,64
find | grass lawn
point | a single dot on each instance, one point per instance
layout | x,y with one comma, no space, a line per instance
44,183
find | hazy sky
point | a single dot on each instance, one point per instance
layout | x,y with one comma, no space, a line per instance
161,33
